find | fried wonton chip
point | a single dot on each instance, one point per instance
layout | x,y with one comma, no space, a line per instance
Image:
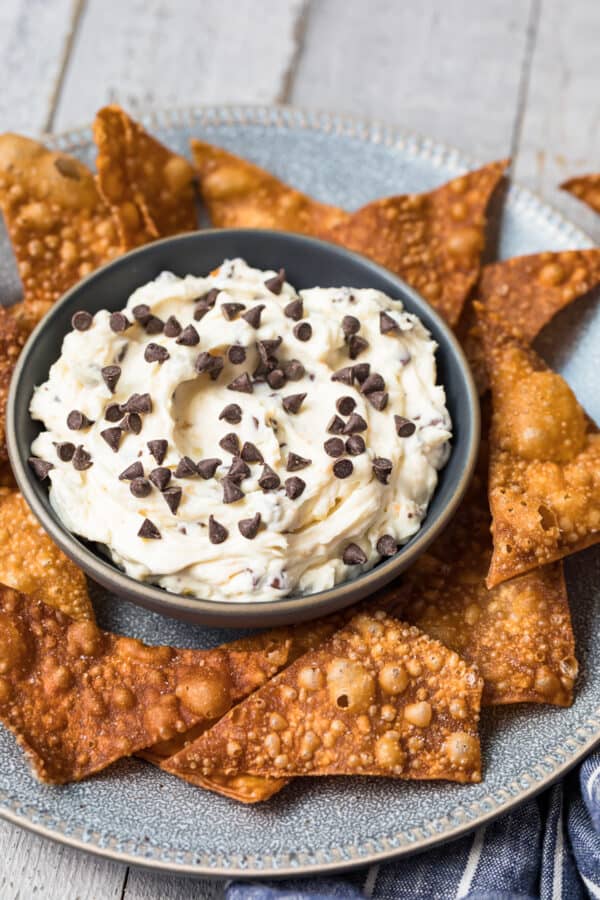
78,698
544,482
239,194
149,188
524,293
32,563
434,241
586,188
59,226
378,698
12,339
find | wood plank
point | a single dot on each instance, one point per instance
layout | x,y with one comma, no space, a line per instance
31,866
150,54
560,132
33,37
449,70
145,885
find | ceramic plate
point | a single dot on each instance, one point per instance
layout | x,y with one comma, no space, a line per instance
134,813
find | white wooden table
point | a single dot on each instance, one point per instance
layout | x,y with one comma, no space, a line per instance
501,77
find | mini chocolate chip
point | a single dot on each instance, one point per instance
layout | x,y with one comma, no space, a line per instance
186,468
217,533
82,320
268,348
294,486
155,353
140,487
189,337
355,423
303,331
361,371
345,405
132,422
373,383
200,310
135,470
294,309
250,453
210,298
404,427
269,480
238,470
118,322
232,413
231,491
230,443
141,313
335,425
206,362
382,468
343,468
387,324
76,420
149,530
355,445
293,370
65,451
40,466
249,527
295,462
276,283
158,449
356,346
350,325
122,353
378,399
113,412
276,379
154,325
82,459
111,375
293,402
344,375
160,477
252,317
236,354
334,447
172,327
172,496
138,403
242,383
207,468
232,310
112,436
353,555
386,545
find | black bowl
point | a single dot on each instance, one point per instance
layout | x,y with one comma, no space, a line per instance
308,263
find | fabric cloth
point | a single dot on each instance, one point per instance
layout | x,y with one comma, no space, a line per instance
546,849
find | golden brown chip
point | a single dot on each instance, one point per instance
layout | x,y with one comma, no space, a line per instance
7,479
378,698
149,188
434,241
586,188
59,226
239,194
78,698
12,339
544,483
32,563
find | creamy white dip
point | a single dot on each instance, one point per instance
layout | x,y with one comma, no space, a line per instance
312,533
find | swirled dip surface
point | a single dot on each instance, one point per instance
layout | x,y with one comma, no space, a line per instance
229,438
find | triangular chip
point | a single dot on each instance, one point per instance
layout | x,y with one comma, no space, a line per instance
12,339
59,226
434,241
586,188
78,698
32,563
149,188
544,482
378,698
239,194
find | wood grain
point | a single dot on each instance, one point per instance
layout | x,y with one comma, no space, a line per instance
144,885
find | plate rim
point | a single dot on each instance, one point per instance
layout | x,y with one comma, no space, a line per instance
556,762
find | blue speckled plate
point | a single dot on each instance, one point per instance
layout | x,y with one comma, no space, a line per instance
136,814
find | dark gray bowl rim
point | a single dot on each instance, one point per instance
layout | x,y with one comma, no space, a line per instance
250,614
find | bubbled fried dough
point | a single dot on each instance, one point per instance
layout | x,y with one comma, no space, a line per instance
378,698
78,698
12,338
586,188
